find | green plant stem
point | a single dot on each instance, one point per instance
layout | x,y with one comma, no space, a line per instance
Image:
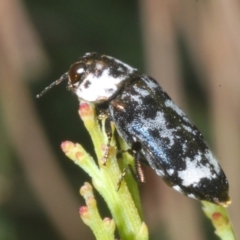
220,220
105,178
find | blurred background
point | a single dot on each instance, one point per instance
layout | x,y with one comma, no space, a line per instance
191,47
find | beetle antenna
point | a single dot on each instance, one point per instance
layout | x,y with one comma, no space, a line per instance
62,78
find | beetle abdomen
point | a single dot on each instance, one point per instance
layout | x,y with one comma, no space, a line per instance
171,144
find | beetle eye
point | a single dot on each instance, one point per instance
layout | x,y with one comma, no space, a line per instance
75,72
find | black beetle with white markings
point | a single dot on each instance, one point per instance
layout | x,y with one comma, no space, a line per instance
146,117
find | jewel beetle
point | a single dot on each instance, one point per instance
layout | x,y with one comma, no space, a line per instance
151,123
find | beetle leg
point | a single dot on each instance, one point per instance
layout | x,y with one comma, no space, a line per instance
140,178
108,131
138,174
127,168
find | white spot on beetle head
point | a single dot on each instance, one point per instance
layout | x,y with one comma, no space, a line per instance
99,78
99,66
101,88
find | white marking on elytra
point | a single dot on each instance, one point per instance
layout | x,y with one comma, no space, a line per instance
170,171
177,188
187,128
171,104
194,171
160,172
160,123
184,147
198,157
129,68
212,160
151,83
138,99
191,196
142,92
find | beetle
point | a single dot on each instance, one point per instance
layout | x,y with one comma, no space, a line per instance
155,128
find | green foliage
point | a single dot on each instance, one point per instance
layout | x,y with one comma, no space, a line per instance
105,178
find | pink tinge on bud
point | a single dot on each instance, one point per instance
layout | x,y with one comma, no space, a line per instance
66,145
84,107
83,210
85,110
107,219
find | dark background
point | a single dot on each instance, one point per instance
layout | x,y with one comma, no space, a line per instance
64,30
